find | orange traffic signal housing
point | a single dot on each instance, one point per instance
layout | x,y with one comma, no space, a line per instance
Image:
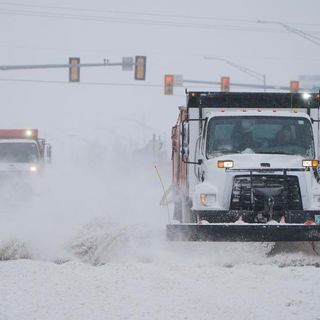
294,86
225,84
140,68
168,84
74,70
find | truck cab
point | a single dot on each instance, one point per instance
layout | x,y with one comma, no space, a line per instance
22,151
259,141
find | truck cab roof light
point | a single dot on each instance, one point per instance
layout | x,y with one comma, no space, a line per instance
28,133
310,163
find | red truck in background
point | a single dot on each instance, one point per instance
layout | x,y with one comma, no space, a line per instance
21,150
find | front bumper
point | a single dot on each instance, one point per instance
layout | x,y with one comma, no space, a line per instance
243,232
231,216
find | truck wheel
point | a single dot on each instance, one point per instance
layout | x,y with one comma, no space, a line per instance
182,212
177,211
187,214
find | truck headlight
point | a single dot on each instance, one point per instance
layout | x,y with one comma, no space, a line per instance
33,168
306,96
310,163
208,199
225,164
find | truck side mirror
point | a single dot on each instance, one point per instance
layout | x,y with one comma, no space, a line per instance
48,153
185,141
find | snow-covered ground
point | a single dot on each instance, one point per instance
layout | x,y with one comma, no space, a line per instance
88,242
177,282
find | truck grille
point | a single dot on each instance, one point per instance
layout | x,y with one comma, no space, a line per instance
243,199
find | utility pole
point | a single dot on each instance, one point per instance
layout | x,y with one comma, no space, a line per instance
250,72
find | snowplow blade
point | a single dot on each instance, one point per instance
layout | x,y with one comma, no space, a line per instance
243,232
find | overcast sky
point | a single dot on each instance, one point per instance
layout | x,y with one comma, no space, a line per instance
176,36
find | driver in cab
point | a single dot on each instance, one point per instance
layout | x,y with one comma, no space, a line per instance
243,135
284,136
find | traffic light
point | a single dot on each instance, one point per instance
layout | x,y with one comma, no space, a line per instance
74,71
140,68
225,84
294,86
168,84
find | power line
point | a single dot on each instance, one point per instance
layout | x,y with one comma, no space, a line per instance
163,53
314,39
69,16
15,4
125,20
123,12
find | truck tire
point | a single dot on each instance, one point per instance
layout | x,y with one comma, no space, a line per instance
182,211
187,214
177,211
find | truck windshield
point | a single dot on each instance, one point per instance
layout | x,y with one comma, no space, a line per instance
18,152
268,135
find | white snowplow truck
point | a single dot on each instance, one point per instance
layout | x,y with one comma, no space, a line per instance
22,152
246,168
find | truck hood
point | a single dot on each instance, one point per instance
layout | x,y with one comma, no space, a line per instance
255,161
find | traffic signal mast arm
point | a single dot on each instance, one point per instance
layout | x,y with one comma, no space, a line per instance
173,80
224,83
74,66
242,85
66,65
